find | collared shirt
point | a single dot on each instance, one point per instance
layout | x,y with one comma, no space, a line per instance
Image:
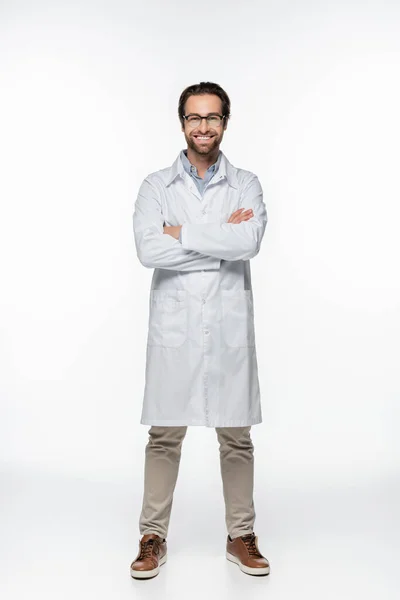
192,170
199,181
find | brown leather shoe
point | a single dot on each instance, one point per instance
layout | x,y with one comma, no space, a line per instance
152,554
244,551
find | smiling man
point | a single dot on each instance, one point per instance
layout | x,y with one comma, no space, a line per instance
198,223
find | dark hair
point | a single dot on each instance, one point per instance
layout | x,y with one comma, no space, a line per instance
204,87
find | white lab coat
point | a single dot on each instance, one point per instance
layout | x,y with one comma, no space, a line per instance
201,363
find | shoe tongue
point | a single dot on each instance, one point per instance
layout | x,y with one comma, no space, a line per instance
149,536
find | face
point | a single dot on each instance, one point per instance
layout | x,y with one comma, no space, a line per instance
203,105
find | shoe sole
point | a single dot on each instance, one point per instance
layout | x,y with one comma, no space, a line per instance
149,574
248,570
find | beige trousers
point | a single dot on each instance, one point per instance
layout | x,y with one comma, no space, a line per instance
162,458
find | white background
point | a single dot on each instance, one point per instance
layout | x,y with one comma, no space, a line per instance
88,107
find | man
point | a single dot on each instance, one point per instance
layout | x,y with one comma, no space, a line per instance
198,223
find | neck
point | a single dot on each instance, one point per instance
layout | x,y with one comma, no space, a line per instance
201,161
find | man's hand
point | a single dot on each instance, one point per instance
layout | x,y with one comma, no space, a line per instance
173,230
238,216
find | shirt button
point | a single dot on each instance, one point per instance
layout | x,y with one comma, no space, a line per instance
203,301
206,332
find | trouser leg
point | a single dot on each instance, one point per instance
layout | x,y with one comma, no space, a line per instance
162,458
237,471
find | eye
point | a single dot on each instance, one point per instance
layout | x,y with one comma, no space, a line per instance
193,119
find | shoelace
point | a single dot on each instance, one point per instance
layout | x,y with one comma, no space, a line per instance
250,541
147,548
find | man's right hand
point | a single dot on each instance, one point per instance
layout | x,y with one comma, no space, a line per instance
238,216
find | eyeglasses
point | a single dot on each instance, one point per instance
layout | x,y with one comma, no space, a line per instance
214,120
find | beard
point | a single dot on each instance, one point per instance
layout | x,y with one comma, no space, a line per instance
201,148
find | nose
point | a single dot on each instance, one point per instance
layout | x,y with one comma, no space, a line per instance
204,126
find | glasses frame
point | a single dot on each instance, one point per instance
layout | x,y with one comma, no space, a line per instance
222,117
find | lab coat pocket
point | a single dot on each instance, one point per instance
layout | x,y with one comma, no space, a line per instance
168,318
238,318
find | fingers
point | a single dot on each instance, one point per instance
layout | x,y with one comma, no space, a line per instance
238,216
241,218
233,215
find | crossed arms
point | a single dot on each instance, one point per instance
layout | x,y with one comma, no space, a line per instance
203,245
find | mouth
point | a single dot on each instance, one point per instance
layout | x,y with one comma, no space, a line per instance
203,138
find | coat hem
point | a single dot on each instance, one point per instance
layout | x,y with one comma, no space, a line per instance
209,423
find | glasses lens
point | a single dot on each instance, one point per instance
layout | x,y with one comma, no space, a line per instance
214,121
193,121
